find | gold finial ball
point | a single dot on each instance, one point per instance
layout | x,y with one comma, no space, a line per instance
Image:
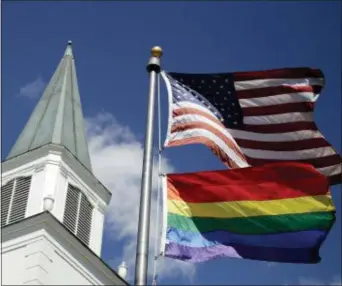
156,52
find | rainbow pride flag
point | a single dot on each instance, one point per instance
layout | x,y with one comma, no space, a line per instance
279,212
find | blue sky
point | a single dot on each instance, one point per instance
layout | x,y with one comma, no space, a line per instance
111,43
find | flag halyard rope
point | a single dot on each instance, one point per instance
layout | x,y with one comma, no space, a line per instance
156,250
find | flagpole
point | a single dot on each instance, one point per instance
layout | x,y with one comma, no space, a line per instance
141,264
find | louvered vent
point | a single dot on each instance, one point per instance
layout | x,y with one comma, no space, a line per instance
20,197
6,193
84,220
71,208
78,214
14,196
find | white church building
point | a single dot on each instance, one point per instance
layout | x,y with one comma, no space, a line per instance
52,206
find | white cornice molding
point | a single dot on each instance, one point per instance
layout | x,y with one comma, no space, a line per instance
65,157
101,207
39,167
56,152
52,162
63,171
28,171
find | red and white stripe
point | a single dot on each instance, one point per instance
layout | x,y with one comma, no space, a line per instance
278,107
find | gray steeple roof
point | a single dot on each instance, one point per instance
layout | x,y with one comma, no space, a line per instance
58,116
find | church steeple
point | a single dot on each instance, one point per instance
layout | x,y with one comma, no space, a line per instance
52,205
58,116
48,168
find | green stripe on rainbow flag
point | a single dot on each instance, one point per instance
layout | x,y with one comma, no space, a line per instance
255,225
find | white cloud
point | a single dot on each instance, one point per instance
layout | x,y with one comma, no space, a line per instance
117,161
33,89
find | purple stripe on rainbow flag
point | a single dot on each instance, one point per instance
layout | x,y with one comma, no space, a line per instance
299,239
196,254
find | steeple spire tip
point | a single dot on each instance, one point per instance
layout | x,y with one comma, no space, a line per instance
58,117
68,51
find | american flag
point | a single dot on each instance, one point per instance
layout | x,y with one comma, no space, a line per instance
251,118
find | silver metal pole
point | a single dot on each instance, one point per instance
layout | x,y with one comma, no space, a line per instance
141,264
